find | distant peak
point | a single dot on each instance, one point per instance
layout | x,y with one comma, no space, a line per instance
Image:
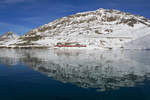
9,35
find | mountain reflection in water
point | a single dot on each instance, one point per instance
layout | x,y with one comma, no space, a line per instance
104,70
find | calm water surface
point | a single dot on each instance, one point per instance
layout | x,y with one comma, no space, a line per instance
74,75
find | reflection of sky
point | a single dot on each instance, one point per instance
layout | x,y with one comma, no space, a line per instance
22,15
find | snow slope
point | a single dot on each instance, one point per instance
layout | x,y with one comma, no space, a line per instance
142,43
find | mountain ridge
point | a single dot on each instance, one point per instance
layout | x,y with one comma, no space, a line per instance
102,29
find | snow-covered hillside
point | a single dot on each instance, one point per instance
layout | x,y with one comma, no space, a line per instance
8,38
142,43
102,29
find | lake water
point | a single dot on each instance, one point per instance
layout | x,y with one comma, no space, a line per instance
74,75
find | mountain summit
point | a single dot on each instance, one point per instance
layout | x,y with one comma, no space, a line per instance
8,38
103,29
9,35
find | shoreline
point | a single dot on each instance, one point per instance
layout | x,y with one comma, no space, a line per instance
69,48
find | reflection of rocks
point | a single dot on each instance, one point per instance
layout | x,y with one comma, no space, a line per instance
105,70
9,57
8,61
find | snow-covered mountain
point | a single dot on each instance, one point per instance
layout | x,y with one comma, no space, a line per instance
8,38
103,29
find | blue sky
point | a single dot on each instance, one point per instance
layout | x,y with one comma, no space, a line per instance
20,16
